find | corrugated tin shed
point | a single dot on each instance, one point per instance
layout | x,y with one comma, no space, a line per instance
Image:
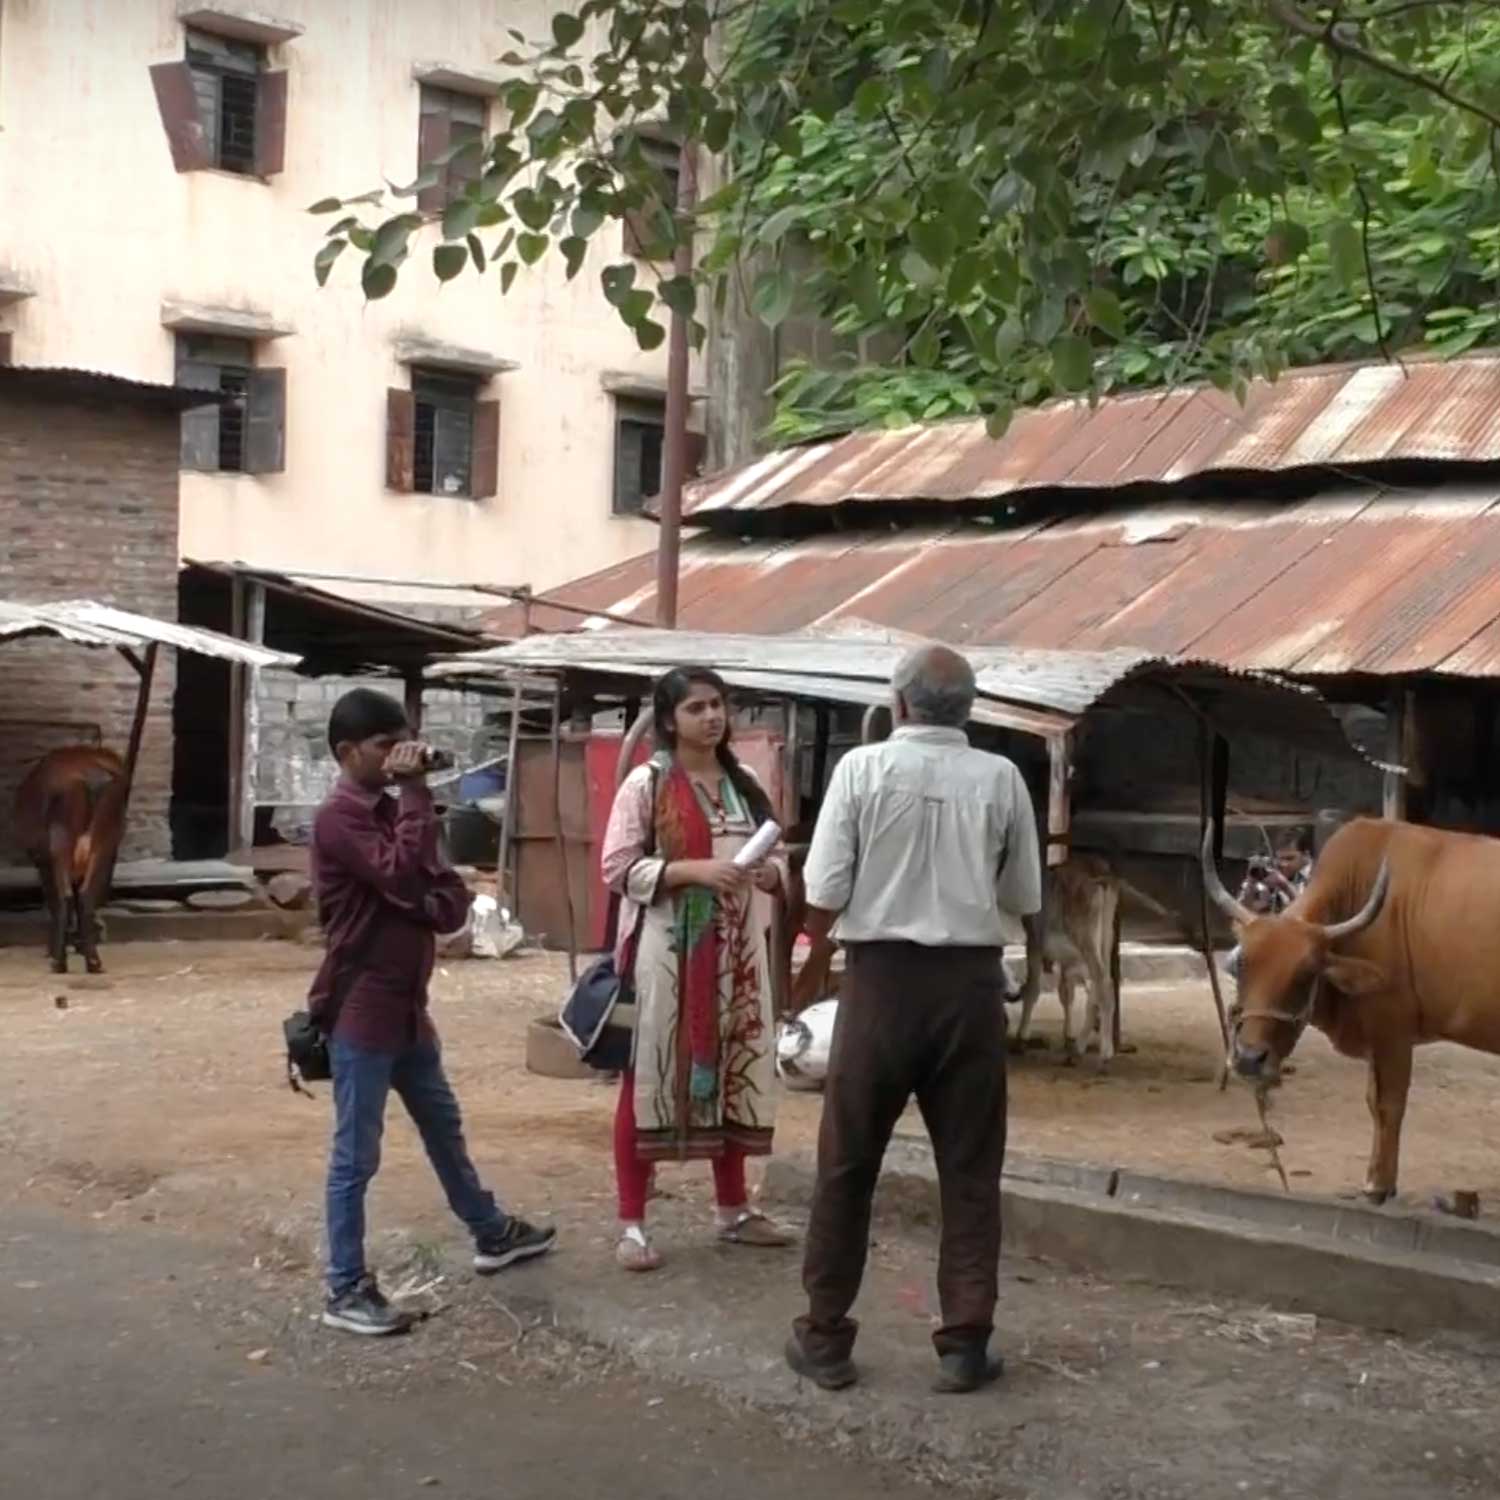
88,623
1366,582
1350,417
1041,693
65,384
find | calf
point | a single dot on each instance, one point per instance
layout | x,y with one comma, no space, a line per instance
70,816
1081,942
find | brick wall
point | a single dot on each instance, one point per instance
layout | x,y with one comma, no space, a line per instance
88,509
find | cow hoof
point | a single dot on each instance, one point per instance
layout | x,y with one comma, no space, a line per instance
59,967
94,966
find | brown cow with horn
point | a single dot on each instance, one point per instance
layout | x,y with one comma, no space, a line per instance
1394,942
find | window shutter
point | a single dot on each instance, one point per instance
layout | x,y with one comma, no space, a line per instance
400,439
628,497
200,425
177,103
485,462
265,422
270,124
697,448
433,135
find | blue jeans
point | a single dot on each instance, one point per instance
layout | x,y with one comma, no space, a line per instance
361,1082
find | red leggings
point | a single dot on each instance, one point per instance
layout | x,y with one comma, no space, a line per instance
633,1175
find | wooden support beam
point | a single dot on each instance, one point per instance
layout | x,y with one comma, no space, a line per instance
1059,797
1400,750
791,790
248,622
512,797
146,667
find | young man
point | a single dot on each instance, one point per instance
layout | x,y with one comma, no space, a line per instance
384,892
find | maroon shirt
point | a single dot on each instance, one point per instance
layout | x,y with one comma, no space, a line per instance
383,892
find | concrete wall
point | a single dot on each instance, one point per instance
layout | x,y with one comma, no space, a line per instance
110,231
88,506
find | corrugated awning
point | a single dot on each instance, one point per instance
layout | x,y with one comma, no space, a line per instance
1042,693
88,623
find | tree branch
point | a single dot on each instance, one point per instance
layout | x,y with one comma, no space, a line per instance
1336,38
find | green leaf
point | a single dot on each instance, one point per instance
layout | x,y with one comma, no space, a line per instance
459,218
917,271
1072,362
771,297
649,335
586,219
326,206
1105,312
532,247
378,280
1286,241
508,275
477,251
574,250
771,232
1346,252
997,422
679,294
617,282
449,261
324,259
567,30
389,247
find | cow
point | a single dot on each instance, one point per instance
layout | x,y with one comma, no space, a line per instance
1394,943
70,817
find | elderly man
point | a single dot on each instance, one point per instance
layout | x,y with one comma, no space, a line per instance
920,843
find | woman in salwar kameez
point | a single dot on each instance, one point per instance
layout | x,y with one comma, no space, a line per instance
692,938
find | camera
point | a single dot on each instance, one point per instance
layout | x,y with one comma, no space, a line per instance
434,759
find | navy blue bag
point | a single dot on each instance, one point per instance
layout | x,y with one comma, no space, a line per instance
598,1017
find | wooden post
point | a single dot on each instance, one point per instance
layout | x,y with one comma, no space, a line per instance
145,668
255,634
1212,797
1059,797
512,789
562,837
822,731
1400,746
791,808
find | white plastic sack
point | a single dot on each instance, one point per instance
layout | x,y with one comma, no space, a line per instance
803,1045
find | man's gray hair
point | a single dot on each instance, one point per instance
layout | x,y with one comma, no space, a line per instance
937,686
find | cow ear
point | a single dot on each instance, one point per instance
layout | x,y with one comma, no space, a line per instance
1354,976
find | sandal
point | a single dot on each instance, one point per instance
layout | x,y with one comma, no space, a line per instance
753,1228
635,1252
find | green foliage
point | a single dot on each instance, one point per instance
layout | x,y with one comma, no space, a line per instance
1010,198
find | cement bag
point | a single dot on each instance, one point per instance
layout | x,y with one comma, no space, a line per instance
803,1045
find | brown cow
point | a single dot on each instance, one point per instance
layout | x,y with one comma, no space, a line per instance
70,816
1394,943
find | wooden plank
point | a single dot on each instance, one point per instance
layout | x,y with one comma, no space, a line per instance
1059,797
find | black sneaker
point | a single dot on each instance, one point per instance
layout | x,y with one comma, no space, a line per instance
363,1309
517,1242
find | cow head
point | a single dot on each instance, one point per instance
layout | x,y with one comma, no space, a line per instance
1284,962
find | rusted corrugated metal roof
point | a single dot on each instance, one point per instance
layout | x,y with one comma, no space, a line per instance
1362,582
88,623
1042,693
1345,417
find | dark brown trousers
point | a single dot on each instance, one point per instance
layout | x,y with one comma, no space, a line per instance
929,1022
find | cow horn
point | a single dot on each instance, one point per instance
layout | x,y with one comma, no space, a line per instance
1368,912
1215,887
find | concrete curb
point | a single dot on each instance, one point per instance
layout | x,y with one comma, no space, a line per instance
29,929
1410,1273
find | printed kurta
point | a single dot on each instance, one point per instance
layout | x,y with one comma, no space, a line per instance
671,1122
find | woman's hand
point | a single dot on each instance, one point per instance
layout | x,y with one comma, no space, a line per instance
721,876
767,878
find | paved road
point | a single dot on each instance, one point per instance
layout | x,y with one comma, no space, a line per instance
124,1373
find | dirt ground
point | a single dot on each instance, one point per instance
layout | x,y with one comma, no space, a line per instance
152,1108
166,1076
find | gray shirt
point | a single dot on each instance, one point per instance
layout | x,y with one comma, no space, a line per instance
923,839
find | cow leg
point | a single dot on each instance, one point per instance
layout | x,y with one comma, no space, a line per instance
1023,1029
88,929
1102,1003
57,917
1067,984
1385,1093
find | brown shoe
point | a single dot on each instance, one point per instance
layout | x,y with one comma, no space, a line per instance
755,1229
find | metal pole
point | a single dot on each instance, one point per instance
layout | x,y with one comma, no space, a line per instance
255,633
512,786
674,455
562,837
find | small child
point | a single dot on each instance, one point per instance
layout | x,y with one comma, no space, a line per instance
384,892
